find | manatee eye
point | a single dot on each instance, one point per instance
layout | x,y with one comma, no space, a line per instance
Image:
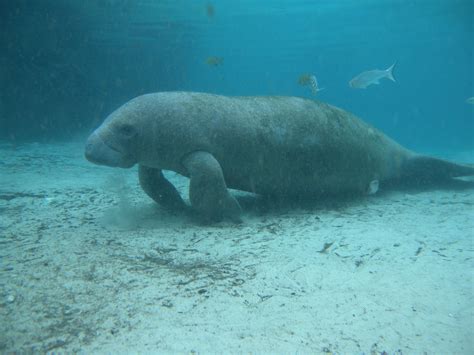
127,130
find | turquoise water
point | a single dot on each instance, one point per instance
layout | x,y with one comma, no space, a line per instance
67,65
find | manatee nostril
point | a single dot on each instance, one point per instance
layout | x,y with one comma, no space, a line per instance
98,152
89,151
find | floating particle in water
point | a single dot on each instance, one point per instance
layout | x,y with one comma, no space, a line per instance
210,10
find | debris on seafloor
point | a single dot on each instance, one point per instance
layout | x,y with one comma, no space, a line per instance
325,248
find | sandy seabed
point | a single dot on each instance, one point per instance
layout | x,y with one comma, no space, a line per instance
90,264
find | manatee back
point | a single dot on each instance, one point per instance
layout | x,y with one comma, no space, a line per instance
274,145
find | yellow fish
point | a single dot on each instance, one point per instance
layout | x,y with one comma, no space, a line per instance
304,79
214,61
311,81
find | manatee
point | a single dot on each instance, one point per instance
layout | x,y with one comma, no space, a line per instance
283,147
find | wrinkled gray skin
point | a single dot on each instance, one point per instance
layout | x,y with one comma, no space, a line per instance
286,147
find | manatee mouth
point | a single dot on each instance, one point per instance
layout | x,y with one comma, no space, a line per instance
98,152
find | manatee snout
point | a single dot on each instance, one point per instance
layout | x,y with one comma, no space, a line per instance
98,152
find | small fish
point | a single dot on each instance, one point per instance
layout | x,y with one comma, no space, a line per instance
373,187
210,10
470,100
214,61
313,83
304,79
370,77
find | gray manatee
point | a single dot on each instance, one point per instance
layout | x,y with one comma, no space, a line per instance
286,147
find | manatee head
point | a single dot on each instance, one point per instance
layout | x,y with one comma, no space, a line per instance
116,142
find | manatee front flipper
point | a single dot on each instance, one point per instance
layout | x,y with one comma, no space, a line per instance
159,188
207,189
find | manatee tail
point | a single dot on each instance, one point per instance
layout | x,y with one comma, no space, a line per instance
421,169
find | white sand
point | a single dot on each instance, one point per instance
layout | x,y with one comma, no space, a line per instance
89,263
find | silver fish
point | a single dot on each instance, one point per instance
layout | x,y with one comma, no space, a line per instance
470,100
314,85
370,77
